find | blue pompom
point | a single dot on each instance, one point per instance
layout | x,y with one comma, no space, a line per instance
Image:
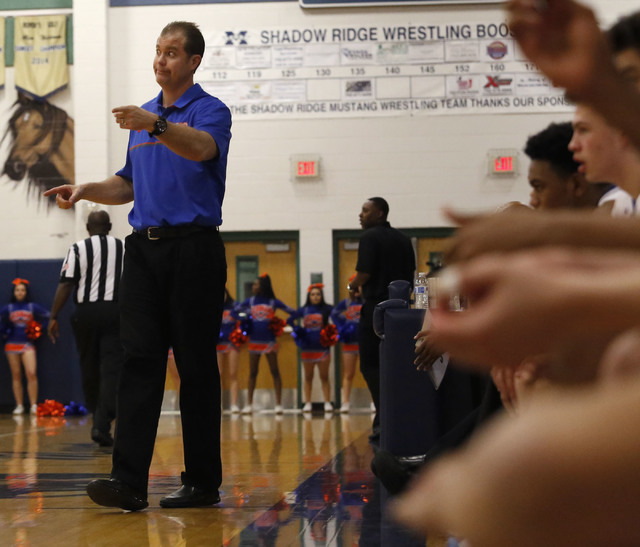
299,334
348,333
75,409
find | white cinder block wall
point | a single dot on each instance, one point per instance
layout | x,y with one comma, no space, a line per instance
418,163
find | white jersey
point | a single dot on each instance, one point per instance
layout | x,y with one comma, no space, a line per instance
623,204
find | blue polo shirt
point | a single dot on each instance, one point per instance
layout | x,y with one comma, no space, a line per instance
168,189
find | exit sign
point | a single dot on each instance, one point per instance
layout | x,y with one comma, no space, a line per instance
305,166
306,169
503,162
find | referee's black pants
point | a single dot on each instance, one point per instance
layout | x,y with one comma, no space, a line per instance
96,327
172,294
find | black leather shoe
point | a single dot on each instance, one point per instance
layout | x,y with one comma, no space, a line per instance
190,496
100,437
392,473
114,493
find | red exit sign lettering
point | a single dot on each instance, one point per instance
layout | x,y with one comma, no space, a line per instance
306,169
504,164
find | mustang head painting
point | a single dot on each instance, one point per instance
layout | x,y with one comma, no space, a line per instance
41,146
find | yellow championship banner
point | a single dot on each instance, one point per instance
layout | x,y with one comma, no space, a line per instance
40,58
2,80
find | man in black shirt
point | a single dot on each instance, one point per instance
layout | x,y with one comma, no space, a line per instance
384,255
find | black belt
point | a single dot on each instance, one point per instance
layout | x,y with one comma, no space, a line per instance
162,232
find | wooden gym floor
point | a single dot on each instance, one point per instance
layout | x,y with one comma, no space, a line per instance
289,481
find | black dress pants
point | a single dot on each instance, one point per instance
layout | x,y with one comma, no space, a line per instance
96,326
369,350
172,294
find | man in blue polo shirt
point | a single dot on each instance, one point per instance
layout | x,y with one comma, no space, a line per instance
172,289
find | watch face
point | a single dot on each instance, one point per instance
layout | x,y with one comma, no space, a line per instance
160,126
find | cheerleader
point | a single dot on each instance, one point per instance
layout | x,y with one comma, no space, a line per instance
228,351
262,340
346,315
18,324
315,316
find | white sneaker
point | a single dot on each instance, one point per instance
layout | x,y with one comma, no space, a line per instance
235,409
328,407
345,407
34,408
247,409
19,409
278,409
307,407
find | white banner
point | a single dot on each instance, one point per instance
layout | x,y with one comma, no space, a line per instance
394,70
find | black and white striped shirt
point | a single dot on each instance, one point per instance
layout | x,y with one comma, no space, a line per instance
95,266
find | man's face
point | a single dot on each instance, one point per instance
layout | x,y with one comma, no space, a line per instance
549,190
172,66
628,64
596,146
370,215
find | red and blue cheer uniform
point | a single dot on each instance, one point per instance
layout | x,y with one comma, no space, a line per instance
346,316
15,319
262,339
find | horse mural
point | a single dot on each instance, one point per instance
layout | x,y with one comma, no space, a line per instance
42,146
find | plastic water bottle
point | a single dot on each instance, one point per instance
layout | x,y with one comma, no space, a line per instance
421,292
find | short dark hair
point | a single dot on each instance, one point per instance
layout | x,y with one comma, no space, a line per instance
381,204
193,39
625,33
552,145
99,222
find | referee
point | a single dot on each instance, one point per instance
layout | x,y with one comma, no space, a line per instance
94,267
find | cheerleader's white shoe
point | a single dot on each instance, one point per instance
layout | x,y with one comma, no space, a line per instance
19,409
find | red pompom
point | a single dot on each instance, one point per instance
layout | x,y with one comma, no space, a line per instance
276,325
329,335
50,408
34,330
237,337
